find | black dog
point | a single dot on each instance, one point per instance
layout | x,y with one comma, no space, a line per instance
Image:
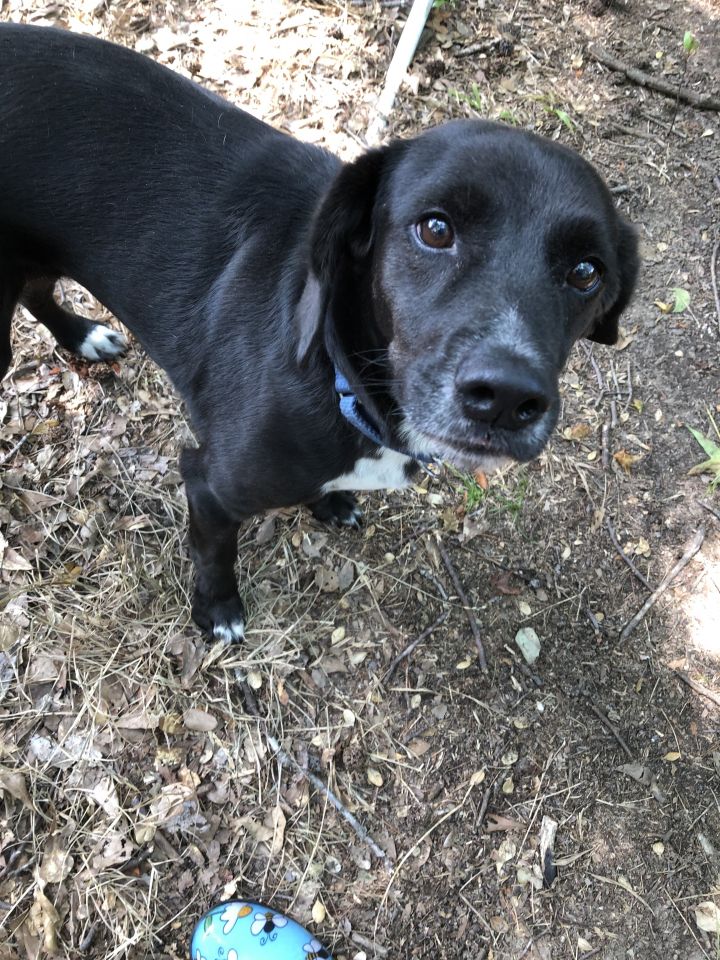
326,323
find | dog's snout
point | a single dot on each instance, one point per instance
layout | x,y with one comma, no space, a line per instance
506,393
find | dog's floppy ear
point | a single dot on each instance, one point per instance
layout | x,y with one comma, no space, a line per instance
605,329
342,234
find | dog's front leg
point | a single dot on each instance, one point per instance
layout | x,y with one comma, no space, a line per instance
217,608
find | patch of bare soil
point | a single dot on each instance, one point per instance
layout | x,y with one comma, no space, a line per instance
139,788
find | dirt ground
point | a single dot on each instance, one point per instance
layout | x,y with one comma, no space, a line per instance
138,787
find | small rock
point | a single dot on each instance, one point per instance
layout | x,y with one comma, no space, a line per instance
528,643
199,720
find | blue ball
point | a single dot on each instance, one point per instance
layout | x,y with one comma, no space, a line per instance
244,930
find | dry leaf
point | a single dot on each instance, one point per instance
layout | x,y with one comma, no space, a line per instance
12,560
374,777
14,783
56,863
326,579
266,530
626,460
707,917
105,796
625,338
171,723
46,920
170,803
580,431
481,479
637,771
502,583
504,854
497,823
275,821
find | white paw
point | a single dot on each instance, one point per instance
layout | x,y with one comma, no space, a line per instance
102,343
232,632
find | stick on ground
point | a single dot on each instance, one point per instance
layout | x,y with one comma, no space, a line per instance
285,760
690,551
465,602
713,510
698,687
654,83
415,643
628,561
611,727
713,278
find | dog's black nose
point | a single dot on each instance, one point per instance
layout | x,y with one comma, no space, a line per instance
505,392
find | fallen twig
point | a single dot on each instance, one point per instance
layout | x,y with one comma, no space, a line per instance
13,450
698,687
611,727
696,100
480,818
465,602
707,506
605,434
713,278
285,760
89,938
623,886
369,944
690,551
641,134
476,48
415,643
628,561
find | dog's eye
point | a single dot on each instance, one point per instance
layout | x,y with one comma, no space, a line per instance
435,232
585,276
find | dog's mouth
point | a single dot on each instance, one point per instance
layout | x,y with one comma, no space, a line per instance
469,450
479,453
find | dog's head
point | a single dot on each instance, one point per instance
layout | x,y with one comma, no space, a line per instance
452,274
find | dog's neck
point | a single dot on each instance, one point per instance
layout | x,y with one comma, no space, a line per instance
356,414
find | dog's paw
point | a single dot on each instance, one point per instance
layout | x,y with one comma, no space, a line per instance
102,343
222,620
338,508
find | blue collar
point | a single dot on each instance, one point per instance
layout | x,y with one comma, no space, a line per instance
355,414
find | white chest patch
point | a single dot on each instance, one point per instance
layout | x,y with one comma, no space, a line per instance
386,472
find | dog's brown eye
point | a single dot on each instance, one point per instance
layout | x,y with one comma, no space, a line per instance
585,276
436,233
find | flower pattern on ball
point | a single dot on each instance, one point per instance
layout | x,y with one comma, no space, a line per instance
232,913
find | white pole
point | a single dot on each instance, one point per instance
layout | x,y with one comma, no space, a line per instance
399,64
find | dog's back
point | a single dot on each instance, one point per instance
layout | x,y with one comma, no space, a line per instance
106,151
